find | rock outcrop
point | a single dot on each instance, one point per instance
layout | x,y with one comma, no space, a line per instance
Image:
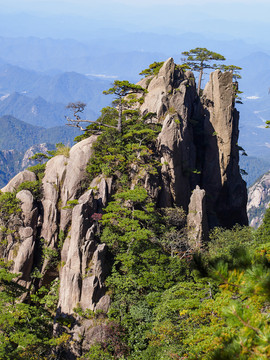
198,153
172,97
198,142
63,181
15,182
258,200
227,195
197,223
84,261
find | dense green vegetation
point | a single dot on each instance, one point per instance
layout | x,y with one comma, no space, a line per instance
116,154
26,328
209,305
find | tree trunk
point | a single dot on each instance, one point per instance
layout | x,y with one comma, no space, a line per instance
199,82
119,124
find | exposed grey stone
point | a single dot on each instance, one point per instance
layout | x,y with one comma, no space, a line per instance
221,175
29,210
14,183
58,188
82,277
258,200
75,183
102,187
197,225
24,260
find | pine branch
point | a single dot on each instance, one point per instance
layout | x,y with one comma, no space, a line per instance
76,123
257,331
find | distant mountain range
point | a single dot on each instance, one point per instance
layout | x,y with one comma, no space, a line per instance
10,165
19,135
35,111
40,99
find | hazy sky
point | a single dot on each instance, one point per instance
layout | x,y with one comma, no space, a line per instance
232,8
241,19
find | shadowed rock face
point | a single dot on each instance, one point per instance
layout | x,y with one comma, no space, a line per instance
225,189
197,148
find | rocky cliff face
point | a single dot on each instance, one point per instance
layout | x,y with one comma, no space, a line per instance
198,142
220,172
258,200
197,148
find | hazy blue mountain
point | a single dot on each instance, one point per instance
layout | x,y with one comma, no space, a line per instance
10,161
255,168
255,74
18,135
71,86
15,78
254,137
40,98
35,111
54,87
255,84
97,56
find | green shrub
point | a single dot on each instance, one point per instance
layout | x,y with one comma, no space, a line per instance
9,205
38,170
153,69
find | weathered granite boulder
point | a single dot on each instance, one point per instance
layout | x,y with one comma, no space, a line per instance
102,187
59,188
29,208
156,99
177,161
24,260
21,239
15,182
76,182
84,270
